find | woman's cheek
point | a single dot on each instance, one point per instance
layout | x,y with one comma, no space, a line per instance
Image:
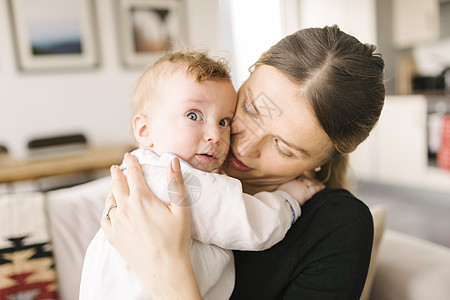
225,135
283,168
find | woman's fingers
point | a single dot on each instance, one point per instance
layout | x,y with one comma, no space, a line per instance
144,230
175,188
106,221
108,202
136,181
179,203
119,186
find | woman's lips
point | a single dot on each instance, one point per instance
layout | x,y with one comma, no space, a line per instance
236,163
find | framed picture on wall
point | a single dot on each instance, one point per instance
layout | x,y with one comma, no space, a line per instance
148,29
54,34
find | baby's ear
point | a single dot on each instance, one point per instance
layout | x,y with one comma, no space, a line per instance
142,132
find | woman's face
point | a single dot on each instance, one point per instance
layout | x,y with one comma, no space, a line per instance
275,134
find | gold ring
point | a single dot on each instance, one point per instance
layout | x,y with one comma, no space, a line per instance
106,216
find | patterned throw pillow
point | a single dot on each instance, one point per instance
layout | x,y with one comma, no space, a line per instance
27,269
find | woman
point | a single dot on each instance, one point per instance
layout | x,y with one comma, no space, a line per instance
310,100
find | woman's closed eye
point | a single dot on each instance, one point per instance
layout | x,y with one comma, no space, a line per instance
280,150
194,116
249,108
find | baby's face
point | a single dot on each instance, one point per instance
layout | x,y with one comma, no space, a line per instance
192,120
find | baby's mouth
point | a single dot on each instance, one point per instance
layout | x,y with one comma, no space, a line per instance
209,158
209,154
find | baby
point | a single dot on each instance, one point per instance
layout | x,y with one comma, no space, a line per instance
184,105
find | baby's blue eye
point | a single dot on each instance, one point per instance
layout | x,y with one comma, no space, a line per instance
194,116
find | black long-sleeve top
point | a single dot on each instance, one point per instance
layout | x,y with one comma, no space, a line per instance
325,254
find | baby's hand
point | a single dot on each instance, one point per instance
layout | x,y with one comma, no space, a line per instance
301,189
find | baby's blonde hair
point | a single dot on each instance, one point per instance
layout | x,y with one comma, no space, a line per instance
193,63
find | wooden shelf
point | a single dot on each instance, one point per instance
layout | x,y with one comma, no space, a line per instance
87,160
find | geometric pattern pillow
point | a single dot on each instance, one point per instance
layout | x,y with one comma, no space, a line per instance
27,269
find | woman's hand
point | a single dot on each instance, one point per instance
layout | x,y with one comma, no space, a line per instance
152,237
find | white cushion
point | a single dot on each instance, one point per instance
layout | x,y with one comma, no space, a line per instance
74,215
379,220
410,268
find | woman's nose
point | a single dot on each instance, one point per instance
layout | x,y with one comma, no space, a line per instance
246,139
248,145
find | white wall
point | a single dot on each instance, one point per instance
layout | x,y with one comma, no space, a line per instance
255,26
96,102
355,17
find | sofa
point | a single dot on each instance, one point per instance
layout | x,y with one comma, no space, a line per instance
405,267
402,266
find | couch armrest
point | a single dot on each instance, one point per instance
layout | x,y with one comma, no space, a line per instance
410,268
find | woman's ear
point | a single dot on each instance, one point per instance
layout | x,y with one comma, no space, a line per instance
142,131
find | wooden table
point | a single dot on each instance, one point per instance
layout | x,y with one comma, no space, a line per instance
86,160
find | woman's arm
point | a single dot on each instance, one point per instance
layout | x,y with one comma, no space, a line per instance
152,237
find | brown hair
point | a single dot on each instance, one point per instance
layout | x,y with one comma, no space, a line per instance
193,63
343,81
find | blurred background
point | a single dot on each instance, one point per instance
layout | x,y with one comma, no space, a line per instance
60,97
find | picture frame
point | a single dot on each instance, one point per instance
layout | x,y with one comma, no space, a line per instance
148,29
54,34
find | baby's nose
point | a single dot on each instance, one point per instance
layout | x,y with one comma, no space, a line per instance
213,134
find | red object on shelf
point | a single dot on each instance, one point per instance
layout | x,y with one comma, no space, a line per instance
443,155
